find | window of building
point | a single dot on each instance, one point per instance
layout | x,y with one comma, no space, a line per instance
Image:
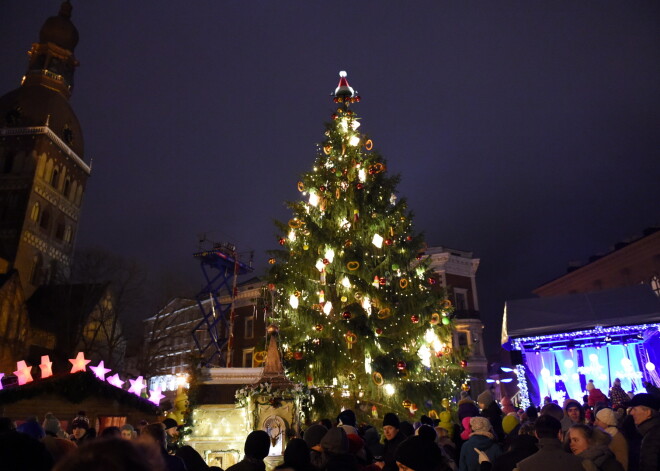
462,339
55,178
67,187
249,327
59,231
35,271
68,234
34,214
460,299
8,164
45,220
248,357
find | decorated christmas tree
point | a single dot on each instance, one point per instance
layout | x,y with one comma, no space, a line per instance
362,319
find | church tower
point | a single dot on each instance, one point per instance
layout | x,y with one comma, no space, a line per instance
43,170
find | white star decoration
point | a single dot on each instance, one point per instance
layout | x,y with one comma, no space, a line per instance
137,385
100,370
155,396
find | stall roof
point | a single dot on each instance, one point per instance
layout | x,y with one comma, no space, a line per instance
631,305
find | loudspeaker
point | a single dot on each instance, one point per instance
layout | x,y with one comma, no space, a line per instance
516,357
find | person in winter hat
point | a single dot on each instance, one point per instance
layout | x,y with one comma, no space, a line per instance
336,449
393,437
296,456
482,438
644,411
591,445
420,454
52,426
313,436
606,419
256,448
492,412
467,431
618,397
573,414
595,394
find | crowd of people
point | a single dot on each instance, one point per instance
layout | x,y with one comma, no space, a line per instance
619,433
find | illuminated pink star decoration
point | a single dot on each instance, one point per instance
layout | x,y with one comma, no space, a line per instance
137,385
100,370
115,381
23,372
46,366
155,396
1,376
79,363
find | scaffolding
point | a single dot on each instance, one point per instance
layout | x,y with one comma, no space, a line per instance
213,334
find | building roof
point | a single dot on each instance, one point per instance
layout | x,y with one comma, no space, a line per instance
631,305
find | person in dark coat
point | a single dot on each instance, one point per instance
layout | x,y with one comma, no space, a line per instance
420,454
257,446
296,457
522,446
336,451
644,410
393,437
313,436
192,459
111,454
551,455
154,435
492,412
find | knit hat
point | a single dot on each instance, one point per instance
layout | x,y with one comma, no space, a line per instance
257,444
481,426
170,423
646,400
347,417
128,427
419,454
391,419
590,385
51,424
465,434
80,421
426,431
570,403
314,434
335,441
606,415
509,422
485,398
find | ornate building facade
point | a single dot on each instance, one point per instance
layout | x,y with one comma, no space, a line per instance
43,171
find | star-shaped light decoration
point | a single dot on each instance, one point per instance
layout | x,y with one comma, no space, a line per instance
115,381
1,376
155,396
23,372
46,366
100,370
137,385
79,363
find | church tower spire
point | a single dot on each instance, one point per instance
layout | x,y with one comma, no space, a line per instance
43,171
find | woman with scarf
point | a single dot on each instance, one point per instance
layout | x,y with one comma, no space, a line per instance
591,445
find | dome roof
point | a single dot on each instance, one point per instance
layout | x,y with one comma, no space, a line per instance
60,30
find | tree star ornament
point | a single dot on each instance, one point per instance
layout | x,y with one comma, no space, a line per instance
79,363
23,372
100,370
46,366
115,381
155,396
137,385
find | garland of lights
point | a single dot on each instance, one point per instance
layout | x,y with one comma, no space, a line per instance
23,374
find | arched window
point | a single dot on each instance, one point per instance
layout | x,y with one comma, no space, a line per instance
67,187
59,231
79,193
68,234
54,179
45,220
34,215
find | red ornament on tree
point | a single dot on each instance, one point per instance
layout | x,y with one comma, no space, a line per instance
346,315
400,365
297,355
438,354
322,188
382,281
388,242
359,186
319,327
432,280
414,318
379,331
409,238
463,363
282,241
325,261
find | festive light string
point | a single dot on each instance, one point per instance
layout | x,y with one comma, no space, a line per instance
79,364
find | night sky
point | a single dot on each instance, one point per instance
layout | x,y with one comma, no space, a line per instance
526,132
